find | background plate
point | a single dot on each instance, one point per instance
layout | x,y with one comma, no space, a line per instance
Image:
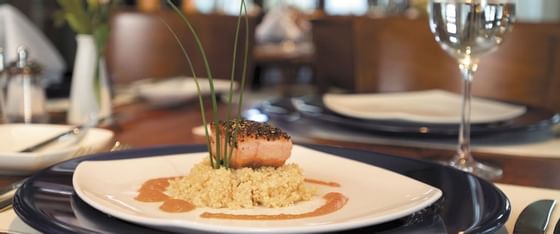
176,90
16,137
47,201
312,108
424,106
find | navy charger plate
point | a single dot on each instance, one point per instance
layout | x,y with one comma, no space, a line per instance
313,108
48,203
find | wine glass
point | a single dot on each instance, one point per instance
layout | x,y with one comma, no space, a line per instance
468,29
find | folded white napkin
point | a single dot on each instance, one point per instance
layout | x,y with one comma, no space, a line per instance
427,106
16,30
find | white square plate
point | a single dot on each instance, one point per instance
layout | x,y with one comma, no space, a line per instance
16,137
375,195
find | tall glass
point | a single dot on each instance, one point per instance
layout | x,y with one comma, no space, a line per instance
468,29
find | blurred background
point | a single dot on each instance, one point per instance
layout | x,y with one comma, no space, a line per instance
303,46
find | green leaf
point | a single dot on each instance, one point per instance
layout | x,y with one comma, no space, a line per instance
76,16
101,34
76,24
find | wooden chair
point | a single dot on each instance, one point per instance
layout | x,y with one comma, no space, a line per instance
141,46
526,67
361,54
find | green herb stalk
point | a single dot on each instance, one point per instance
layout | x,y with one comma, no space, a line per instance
195,77
220,159
243,8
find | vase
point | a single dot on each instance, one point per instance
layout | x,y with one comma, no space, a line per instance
88,101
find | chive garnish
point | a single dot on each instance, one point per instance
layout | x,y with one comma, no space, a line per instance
222,157
200,100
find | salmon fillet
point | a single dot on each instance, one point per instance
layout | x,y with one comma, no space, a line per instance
257,144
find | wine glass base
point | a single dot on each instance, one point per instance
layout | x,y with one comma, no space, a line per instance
479,169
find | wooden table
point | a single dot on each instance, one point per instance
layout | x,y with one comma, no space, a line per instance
140,125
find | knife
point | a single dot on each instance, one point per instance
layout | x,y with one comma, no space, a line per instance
557,227
78,131
534,218
7,193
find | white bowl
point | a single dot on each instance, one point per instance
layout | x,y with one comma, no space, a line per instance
16,137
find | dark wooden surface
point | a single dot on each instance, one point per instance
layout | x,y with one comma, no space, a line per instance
145,127
139,125
142,126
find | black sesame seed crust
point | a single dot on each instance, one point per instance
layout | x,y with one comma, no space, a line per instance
253,129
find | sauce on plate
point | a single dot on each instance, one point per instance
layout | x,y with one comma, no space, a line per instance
320,182
153,190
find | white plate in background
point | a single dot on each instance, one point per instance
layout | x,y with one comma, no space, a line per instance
16,137
375,195
178,89
430,106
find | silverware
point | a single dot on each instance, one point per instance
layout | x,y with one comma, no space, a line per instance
78,132
557,227
118,146
7,193
535,217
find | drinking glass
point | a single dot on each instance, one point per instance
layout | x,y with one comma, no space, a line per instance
468,29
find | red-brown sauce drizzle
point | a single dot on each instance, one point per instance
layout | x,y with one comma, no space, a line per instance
176,206
154,191
326,183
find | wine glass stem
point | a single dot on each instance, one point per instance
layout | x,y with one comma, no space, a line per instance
463,159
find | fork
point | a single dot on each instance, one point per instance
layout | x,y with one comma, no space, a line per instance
119,146
8,194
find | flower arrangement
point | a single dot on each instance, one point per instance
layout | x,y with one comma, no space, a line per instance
223,150
90,95
91,17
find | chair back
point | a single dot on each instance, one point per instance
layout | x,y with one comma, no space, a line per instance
141,46
393,54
